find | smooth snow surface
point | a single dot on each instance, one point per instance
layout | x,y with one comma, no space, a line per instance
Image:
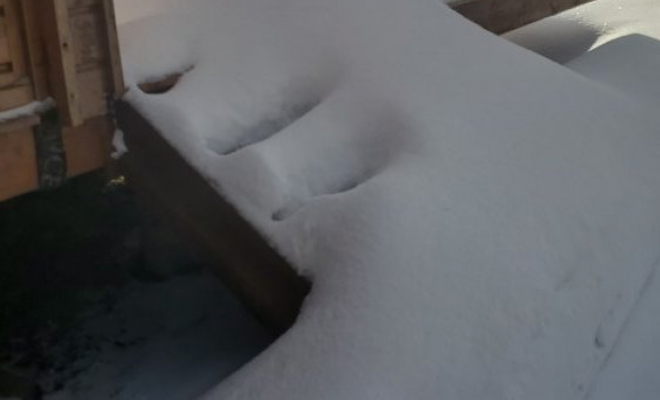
633,371
478,221
570,34
118,145
629,64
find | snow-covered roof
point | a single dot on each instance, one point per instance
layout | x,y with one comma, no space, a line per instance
478,221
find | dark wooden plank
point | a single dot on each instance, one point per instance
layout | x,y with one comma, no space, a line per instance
34,47
18,167
500,16
245,261
88,146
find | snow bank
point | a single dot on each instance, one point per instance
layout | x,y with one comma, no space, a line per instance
632,371
478,221
570,34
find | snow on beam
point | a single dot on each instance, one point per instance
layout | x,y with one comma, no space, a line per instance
500,16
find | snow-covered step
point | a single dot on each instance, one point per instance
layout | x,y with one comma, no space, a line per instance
630,64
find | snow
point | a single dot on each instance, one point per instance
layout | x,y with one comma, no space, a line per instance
118,145
633,371
35,107
570,34
478,222
130,10
625,58
629,64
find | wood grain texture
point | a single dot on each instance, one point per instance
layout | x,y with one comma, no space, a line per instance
96,48
61,60
19,94
113,51
19,124
18,169
87,146
68,50
500,16
94,88
35,48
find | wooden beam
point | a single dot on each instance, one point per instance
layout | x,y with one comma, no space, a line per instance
20,124
87,146
34,45
18,167
114,54
17,95
62,61
500,16
243,259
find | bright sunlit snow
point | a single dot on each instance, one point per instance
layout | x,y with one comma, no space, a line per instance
570,34
478,221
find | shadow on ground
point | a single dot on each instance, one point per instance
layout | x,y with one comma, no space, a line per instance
59,251
81,315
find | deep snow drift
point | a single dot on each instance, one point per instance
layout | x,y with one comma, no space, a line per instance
478,221
566,36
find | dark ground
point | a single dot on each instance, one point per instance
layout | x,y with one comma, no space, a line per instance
59,252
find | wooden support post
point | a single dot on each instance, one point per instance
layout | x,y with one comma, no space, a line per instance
62,61
67,50
114,55
34,45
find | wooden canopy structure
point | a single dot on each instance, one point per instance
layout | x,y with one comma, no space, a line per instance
67,50
244,260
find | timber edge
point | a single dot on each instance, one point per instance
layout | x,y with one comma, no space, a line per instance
263,280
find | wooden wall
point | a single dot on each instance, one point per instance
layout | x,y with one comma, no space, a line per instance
83,55
66,50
